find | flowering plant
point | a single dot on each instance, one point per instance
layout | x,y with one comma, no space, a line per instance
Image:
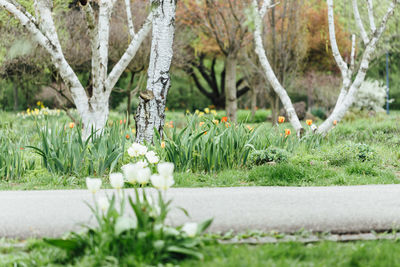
139,235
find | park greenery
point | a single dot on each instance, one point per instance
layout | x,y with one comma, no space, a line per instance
220,121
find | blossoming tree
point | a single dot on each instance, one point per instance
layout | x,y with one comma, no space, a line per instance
93,106
350,85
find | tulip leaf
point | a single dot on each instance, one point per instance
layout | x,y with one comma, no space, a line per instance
63,243
185,251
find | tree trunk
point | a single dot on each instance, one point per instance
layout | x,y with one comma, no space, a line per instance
129,94
16,104
254,92
230,89
150,114
273,80
274,105
95,119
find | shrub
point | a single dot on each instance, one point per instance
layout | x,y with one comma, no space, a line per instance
271,154
319,112
370,96
350,152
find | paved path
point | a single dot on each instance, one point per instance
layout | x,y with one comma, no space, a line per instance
345,209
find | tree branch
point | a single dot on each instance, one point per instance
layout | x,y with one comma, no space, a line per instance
129,54
332,37
129,18
359,22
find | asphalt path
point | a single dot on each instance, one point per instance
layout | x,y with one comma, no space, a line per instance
344,209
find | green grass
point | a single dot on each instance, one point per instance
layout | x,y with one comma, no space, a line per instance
371,253
361,150
360,253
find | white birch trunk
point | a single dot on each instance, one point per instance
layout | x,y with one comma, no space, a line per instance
347,100
151,111
94,110
273,80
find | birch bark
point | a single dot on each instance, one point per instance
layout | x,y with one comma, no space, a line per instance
151,110
273,80
371,43
93,109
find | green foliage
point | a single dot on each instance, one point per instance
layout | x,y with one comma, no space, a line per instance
350,152
271,154
207,145
63,151
319,112
124,240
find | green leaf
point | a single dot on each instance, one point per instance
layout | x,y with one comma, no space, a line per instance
63,244
186,251
204,225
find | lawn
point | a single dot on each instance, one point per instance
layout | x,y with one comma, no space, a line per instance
358,151
359,253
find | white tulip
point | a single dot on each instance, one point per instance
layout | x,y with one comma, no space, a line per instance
125,223
136,150
161,182
166,169
93,184
143,176
130,172
117,180
103,203
152,157
190,229
141,164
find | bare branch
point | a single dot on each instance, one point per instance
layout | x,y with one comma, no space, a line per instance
332,37
94,40
353,52
370,8
128,55
129,18
359,22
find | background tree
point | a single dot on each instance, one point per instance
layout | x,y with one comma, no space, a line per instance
220,30
91,104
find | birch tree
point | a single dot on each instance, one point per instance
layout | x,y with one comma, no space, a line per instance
370,40
150,114
350,85
92,107
259,13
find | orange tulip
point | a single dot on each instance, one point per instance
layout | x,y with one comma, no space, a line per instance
281,119
127,136
201,123
309,122
334,122
120,122
71,125
205,133
287,132
162,144
171,124
224,119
